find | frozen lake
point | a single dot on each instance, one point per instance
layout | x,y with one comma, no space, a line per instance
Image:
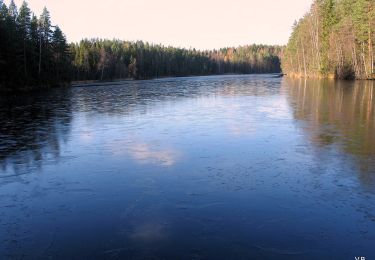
224,167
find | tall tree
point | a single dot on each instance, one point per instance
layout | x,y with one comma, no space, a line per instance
61,61
3,13
44,36
337,33
12,10
24,25
31,53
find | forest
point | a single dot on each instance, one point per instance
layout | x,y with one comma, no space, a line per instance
35,54
334,39
114,59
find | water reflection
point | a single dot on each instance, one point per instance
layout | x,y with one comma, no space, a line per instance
32,128
136,96
338,113
232,167
144,152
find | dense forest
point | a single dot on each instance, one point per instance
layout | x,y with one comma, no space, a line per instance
32,51
114,59
35,54
334,39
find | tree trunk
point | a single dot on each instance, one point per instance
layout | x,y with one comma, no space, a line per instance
299,63
304,59
370,52
40,55
355,61
24,58
364,60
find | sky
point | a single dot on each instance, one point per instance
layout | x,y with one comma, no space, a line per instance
201,24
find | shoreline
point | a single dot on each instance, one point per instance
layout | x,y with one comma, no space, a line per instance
93,83
318,76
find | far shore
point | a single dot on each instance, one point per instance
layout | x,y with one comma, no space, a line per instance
92,83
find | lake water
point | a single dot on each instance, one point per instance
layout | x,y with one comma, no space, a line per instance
227,167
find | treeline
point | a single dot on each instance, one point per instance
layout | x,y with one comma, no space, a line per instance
334,39
114,59
35,54
32,51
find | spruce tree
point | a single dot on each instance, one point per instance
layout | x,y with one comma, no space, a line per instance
61,61
12,10
44,39
24,28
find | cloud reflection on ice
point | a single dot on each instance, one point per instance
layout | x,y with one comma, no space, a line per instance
144,152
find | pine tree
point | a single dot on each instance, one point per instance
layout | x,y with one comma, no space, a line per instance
31,54
12,11
3,13
344,32
24,26
61,56
44,37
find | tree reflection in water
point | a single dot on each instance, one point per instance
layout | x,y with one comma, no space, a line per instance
338,113
32,128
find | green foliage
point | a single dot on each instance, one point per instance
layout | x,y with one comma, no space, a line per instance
328,18
35,54
335,38
32,54
114,59
12,11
